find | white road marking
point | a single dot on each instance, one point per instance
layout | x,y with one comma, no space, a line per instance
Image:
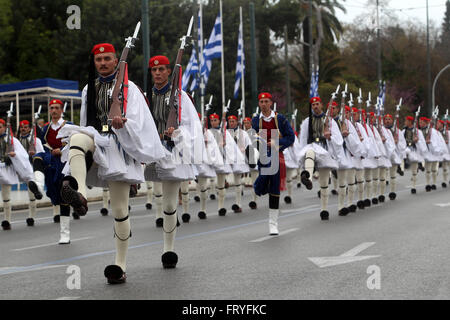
417,185
442,205
28,269
68,298
300,209
50,244
347,257
272,237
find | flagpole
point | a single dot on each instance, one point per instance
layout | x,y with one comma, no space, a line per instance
242,65
222,59
200,55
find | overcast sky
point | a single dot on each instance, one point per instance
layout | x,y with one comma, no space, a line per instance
403,9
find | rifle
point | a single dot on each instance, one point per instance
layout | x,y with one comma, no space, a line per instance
396,120
9,139
446,127
327,114
64,109
224,124
275,107
416,124
368,102
294,120
119,92
205,116
341,112
175,91
240,114
432,123
33,130
378,121
256,112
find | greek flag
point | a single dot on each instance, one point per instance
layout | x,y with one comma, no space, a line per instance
191,70
382,91
314,90
240,63
212,50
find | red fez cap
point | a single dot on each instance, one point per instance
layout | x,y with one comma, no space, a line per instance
388,116
158,61
424,119
372,114
315,99
232,117
264,95
334,104
214,116
248,119
347,108
55,101
410,118
24,122
363,111
103,48
355,110
2,121
441,121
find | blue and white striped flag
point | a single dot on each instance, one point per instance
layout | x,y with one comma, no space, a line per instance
191,70
382,91
240,63
212,50
314,90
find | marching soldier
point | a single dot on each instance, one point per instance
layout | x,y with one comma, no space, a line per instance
253,175
441,126
319,136
15,166
32,145
243,142
415,148
170,171
228,154
108,152
48,166
433,154
275,134
398,140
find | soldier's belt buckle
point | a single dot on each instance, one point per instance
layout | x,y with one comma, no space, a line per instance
317,139
105,128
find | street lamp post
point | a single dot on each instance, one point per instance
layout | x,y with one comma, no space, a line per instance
434,84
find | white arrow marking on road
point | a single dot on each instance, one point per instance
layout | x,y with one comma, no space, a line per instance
50,244
443,205
271,237
347,257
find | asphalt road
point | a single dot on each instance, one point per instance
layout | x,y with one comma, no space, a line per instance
397,250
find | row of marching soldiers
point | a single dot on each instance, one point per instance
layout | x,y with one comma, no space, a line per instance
126,151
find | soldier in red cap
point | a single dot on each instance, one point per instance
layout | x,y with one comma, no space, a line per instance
48,167
319,136
26,139
184,140
253,169
15,167
109,152
441,126
227,154
241,166
415,148
275,134
398,140
433,154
